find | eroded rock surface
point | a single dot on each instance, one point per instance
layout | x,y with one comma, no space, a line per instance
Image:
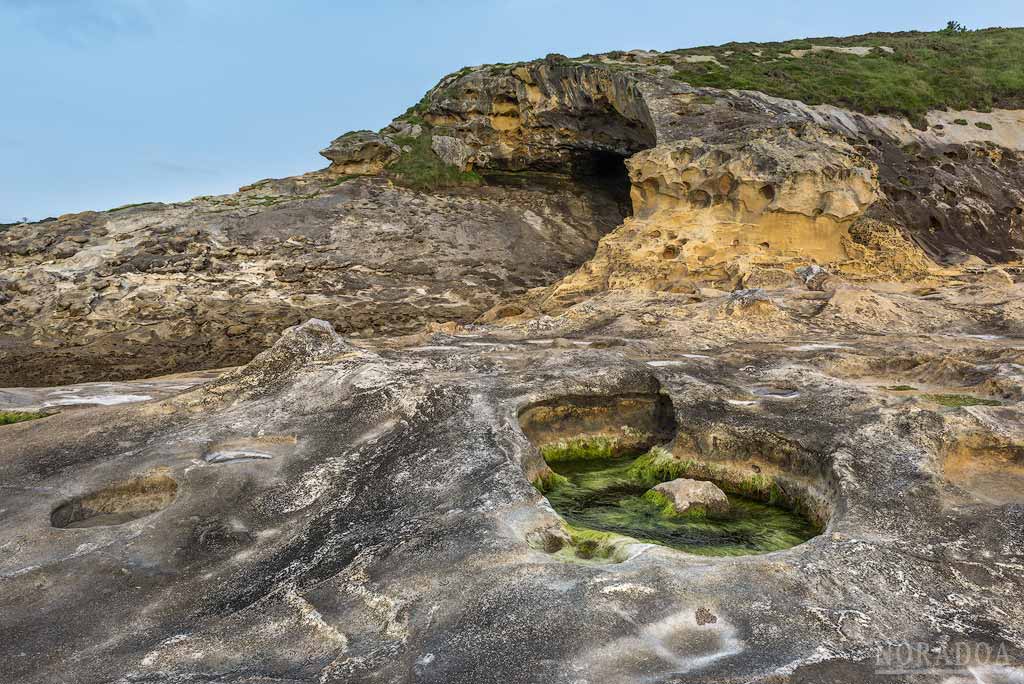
724,214
952,192
801,304
533,163
360,152
393,533
209,283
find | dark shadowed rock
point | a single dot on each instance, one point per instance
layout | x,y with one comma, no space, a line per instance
814,276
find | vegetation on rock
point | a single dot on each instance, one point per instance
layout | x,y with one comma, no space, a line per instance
925,70
607,505
659,465
958,400
420,169
668,509
548,481
590,544
8,417
341,179
579,448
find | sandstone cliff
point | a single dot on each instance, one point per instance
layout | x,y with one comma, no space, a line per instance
498,185
730,187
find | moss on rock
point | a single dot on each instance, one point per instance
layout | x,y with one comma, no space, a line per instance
9,417
580,448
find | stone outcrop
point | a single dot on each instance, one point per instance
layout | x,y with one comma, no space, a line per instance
542,116
360,152
452,151
950,195
814,277
727,189
720,212
211,282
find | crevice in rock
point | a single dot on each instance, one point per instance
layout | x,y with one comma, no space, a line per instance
594,172
605,171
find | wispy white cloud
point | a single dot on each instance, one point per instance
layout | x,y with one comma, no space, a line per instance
81,22
85,22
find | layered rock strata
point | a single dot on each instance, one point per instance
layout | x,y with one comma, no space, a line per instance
208,283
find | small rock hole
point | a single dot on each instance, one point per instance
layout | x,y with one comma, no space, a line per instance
117,503
700,199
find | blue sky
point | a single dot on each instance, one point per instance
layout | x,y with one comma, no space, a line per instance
116,101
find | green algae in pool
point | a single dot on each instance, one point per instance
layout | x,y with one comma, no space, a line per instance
600,494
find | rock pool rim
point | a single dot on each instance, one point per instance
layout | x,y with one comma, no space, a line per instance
639,426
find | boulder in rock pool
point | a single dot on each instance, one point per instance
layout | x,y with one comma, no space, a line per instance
692,496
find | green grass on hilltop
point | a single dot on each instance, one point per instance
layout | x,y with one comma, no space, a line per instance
951,69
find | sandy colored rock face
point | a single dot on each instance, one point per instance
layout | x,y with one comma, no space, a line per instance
688,496
541,116
735,189
949,191
714,213
360,152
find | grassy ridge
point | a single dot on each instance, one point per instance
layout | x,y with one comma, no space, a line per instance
938,70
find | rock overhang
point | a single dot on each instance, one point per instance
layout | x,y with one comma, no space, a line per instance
660,110
541,117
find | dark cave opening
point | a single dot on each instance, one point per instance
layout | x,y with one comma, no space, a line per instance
598,170
606,170
583,141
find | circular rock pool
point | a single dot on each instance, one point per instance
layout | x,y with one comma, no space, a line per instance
606,495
